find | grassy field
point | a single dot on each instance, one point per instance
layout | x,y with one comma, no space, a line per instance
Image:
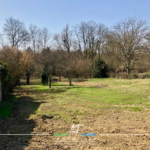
91,97
103,106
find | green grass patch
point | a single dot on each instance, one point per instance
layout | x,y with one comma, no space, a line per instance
5,109
7,106
80,113
72,103
75,121
133,108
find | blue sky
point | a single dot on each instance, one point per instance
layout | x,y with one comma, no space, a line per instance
55,14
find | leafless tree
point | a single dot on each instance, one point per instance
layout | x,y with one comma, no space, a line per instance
67,43
43,38
102,31
128,35
83,33
92,33
58,41
33,31
78,42
2,42
62,62
64,41
18,62
15,32
49,60
67,39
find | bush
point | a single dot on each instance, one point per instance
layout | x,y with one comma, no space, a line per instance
44,78
148,75
100,69
5,81
134,76
142,75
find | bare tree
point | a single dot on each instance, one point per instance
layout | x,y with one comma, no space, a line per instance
102,31
78,42
46,37
113,57
67,39
2,42
67,43
15,32
59,42
86,36
64,41
43,38
48,60
92,33
33,31
61,63
128,35
83,33
18,62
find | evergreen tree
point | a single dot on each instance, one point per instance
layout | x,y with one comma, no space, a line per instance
100,69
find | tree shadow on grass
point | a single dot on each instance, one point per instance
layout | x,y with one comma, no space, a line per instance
17,123
15,117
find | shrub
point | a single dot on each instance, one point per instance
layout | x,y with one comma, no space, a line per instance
148,75
100,69
6,83
44,78
134,76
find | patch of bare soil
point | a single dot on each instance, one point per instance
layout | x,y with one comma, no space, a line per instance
115,130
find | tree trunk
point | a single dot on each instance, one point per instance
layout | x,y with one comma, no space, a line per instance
28,80
70,82
128,68
59,77
50,83
128,71
69,79
99,54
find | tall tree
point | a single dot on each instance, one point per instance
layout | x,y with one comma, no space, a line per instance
49,60
102,31
128,35
43,38
64,41
33,31
15,32
67,39
67,44
2,42
18,62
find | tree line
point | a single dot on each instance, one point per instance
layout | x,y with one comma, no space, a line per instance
87,49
